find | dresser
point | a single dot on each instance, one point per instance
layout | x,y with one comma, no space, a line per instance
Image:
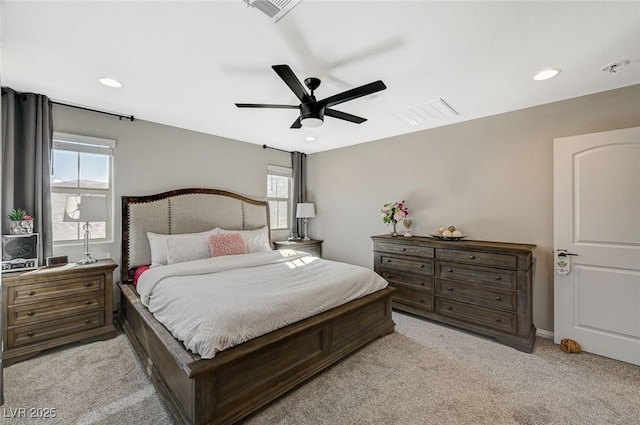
312,247
46,308
481,286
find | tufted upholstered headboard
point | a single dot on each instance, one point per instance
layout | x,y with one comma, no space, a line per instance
182,211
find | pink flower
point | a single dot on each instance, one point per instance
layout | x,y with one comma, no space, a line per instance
27,218
399,215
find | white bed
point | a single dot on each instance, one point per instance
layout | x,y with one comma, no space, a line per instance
296,326
216,303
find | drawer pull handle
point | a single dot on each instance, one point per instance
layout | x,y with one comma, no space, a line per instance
450,270
449,308
88,284
472,257
422,301
388,260
422,283
498,298
421,266
30,313
403,249
449,288
31,293
87,320
498,320
87,302
498,278
29,333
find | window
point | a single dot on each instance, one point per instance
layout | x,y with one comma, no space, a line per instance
80,165
279,196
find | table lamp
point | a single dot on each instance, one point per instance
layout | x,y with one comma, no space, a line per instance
306,211
86,209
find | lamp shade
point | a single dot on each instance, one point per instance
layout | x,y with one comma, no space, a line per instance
305,210
86,208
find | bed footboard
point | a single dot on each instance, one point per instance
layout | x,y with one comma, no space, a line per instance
240,380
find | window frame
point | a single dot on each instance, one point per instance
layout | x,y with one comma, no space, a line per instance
280,171
93,145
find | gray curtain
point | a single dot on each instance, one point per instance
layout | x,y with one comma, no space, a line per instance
299,166
27,133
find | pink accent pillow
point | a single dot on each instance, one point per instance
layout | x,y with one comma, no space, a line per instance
229,244
137,273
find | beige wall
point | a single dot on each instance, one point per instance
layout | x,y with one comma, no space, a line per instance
151,158
491,177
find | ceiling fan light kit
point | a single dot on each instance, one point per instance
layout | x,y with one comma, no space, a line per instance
312,111
311,115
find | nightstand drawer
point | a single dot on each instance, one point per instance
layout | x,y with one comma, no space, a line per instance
477,294
314,251
54,289
417,266
47,310
312,247
29,334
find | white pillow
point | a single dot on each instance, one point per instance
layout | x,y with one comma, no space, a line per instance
187,247
256,240
158,245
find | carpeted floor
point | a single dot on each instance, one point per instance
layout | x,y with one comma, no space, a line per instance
424,373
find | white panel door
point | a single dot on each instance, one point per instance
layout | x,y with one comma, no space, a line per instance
597,218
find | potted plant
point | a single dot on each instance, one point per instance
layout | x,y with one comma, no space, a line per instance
21,223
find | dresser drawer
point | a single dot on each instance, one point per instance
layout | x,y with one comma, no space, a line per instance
414,299
413,266
482,258
38,332
494,277
41,291
405,249
486,317
416,282
477,294
28,313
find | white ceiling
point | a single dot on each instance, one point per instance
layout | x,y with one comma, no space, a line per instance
185,63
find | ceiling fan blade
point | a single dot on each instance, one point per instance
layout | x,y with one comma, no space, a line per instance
344,116
292,81
265,105
296,124
370,88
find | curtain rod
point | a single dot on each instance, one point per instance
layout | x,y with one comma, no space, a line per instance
275,149
129,117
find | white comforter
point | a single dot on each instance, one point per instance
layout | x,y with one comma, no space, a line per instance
220,302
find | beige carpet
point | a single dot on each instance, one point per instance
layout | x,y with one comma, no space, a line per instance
422,374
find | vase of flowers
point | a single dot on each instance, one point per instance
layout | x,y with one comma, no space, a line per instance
392,213
21,223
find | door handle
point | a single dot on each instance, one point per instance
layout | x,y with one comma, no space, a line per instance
564,253
563,261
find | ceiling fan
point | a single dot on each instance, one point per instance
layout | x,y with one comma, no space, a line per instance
312,111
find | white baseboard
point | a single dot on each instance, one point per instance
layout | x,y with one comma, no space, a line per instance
544,334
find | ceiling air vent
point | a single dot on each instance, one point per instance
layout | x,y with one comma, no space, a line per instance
274,9
434,110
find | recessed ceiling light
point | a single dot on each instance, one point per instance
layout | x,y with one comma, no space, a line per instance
546,74
310,139
110,82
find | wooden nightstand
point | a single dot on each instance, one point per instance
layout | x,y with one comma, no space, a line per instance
45,308
312,247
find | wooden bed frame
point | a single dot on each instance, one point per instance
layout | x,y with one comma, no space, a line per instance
240,380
